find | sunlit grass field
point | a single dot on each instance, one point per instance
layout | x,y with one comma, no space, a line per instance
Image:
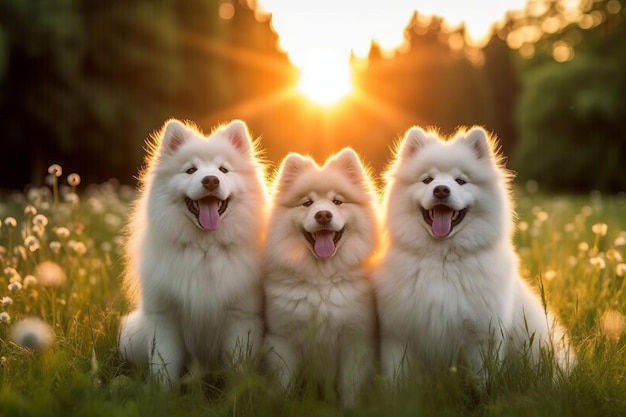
60,262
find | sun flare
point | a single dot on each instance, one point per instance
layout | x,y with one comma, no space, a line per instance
324,79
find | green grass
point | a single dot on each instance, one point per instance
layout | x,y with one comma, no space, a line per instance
81,373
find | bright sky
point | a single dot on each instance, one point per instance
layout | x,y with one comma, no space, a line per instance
345,25
318,35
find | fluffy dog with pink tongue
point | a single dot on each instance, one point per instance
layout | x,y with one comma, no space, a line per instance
448,288
319,305
194,246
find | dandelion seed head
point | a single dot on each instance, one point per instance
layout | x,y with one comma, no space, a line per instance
9,271
14,286
30,210
4,317
549,274
56,170
62,232
542,216
55,246
31,243
620,269
32,333
15,277
6,301
597,262
612,324
78,247
620,240
599,229
613,255
50,274
522,226
10,222
3,360
29,280
72,198
73,179
583,246
40,220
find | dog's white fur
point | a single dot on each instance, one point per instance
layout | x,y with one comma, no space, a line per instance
198,291
448,294
320,313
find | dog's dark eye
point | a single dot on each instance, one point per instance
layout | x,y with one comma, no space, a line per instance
427,180
460,181
191,170
307,203
224,170
337,202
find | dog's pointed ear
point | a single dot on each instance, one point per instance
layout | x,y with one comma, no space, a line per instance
477,139
238,134
348,162
292,166
174,134
414,139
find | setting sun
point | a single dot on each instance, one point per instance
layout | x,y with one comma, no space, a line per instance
320,36
325,78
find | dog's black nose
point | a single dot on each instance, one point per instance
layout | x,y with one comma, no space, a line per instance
210,182
323,217
441,192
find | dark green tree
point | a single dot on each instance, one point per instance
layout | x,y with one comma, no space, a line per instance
571,114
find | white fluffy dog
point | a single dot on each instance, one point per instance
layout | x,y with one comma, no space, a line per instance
448,288
320,313
194,252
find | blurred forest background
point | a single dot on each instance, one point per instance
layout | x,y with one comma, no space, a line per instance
83,83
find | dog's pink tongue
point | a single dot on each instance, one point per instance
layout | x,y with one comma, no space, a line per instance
442,220
209,216
324,243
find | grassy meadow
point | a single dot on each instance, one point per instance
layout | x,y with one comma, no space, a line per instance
60,262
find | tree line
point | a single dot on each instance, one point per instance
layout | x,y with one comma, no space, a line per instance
83,84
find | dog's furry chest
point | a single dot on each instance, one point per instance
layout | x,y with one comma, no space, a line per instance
448,304
298,307
196,282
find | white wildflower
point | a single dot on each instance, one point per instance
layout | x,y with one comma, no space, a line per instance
32,333
599,229
549,274
6,301
4,317
29,280
56,170
73,179
50,274
597,262
10,222
62,232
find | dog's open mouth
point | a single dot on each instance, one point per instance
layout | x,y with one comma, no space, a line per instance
324,241
442,219
208,210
